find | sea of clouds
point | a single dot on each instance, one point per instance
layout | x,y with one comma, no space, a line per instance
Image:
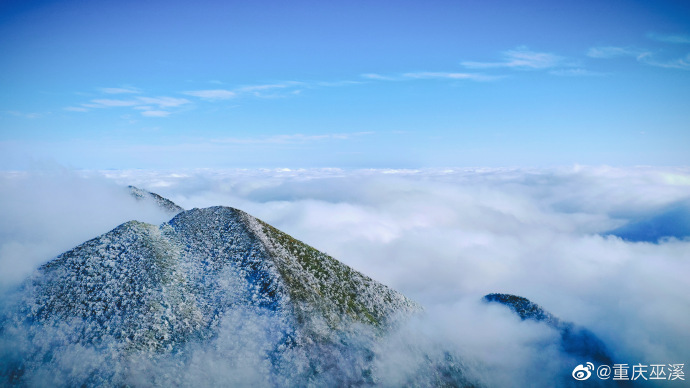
444,238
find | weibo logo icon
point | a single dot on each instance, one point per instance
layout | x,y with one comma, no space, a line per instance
582,372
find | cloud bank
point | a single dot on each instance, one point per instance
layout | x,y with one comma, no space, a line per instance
47,212
442,237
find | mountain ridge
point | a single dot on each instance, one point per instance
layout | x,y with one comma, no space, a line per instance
144,289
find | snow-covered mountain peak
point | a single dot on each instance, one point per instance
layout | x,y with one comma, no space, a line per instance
145,289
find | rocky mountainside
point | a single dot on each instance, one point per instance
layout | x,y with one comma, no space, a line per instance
155,292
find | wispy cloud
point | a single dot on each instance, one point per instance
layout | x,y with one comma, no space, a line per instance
643,56
429,75
680,63
260,88
164,102
291,138
447,75
253,90
149,106
155,113
30,115
575,73
125,90
212,94
669,38
520,58
329,84
379,77
108,103
615,52
76,109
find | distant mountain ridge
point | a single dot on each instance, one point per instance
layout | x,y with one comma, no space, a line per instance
162,202
672,221
576,341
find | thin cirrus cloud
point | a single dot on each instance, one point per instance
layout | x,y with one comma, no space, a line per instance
641,55
212,94
155,113
379,77
259,88
148,106
164,102
444,75
670,38
254,90
109,103
520,58
126,90
29,115
577,72
292,138
76,109
616,52
429,75
680,63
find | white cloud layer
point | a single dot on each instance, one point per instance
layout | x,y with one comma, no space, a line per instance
442,237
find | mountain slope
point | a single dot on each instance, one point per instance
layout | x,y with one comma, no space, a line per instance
197,281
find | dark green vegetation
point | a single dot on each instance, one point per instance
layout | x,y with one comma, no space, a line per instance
319,281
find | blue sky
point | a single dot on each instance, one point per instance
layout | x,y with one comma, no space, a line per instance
401,84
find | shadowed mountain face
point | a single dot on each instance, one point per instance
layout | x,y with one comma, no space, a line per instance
672,221
576,341
209,278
